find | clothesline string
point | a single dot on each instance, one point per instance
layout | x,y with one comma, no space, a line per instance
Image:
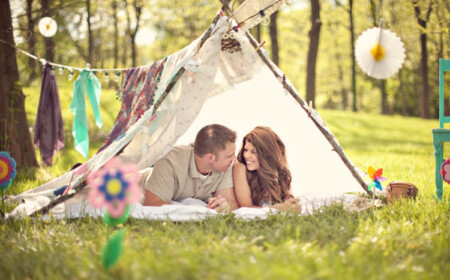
43,61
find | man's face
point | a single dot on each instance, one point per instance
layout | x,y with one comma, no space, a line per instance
224,159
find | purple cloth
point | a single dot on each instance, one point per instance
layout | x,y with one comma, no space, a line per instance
49,128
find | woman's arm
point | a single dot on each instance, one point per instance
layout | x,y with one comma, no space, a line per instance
241,187
243,192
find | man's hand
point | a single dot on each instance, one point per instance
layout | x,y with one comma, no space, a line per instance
219,203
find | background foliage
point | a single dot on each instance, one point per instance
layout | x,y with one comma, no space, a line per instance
167,26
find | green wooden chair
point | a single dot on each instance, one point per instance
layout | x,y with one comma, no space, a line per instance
441,135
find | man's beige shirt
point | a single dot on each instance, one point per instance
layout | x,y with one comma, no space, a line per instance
175,177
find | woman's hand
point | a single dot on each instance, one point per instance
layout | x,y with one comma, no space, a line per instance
219,203
291,204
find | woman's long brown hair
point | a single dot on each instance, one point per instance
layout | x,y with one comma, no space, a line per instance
271,182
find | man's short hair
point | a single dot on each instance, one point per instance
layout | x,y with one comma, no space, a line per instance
213,139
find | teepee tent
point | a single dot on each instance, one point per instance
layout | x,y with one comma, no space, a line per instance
222,77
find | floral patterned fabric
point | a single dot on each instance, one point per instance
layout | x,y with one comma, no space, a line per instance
138,91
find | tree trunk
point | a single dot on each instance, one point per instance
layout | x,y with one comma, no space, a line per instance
49,44
116,35
31,42
274,38
401,91
384,103
258,33
128,32
132,33
424,97
90,39
352,46
15,136
314,35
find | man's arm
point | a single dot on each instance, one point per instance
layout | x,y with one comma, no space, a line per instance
152,199
158,184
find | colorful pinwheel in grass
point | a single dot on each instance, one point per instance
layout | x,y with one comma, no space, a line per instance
445,170
375,176
7,170
114,186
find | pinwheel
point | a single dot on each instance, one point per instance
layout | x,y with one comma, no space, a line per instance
7,170
114,186
379,52
7,173
375,176
445,170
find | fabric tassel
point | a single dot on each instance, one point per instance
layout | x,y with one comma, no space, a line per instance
93,88
49,128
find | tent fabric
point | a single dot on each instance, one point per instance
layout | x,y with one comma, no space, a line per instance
234,89
137,91
49,127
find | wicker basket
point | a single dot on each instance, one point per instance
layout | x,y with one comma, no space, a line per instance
397,189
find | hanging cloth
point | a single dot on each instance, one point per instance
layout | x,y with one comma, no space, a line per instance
49,128
93,88
138,91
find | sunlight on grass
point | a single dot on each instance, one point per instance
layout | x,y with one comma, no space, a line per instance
405,240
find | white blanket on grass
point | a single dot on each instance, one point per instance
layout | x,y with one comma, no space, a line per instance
187,210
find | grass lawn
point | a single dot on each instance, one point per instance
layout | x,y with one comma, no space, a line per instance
409,240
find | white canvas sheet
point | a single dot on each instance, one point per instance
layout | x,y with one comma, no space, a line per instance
316,169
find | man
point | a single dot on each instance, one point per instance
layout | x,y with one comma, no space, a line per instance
200,170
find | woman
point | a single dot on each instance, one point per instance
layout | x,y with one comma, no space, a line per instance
261,174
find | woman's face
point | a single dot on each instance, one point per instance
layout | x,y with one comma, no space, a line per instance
250,156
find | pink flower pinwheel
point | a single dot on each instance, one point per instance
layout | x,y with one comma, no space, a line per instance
114,186
445,171
7,170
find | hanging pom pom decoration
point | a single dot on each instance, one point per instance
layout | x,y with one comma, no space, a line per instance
7,174
47,27
106,77
229,42
117,77
445,171
379,52
70,75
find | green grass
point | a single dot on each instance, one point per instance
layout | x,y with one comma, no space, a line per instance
407,240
